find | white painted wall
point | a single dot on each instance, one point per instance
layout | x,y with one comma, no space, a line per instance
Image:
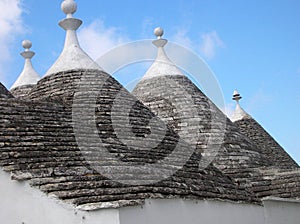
19,203
281,211
179,211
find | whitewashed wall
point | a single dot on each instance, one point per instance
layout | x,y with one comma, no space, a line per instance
21,204
191,212
281,211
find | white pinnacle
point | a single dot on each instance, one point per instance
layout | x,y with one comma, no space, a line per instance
239,113
162,65
72,56
28,76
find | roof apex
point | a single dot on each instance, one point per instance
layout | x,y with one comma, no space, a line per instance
72,55
239,113
162,65
28,76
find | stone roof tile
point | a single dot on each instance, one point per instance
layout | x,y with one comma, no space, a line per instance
39,144
211,131
4,93
266,144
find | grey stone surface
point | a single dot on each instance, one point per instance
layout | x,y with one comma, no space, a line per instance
237,155
22,91
283,183
59,87
266,144
38,144
248,154
4,93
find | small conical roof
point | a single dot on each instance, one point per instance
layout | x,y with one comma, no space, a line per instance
72,56
196,119
266,144
28,76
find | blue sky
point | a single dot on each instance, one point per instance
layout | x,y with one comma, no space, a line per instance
252,46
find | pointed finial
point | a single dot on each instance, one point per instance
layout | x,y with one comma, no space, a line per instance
72,56
239,113
236,96
28,76
162,65
158,32
69,7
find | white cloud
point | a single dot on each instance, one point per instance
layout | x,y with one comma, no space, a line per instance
181,37
113,50
10,25
210,42
206,47
127,55
96,39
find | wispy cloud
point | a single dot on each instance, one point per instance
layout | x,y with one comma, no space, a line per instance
181,37
113,50
96,39
210,43
10,26
207,46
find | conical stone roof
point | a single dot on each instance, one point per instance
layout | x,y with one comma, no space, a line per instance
266,144
183,106
235,151
60,82
79,155
96,146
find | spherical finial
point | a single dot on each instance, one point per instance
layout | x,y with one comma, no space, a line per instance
26,44
69,7
159,32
